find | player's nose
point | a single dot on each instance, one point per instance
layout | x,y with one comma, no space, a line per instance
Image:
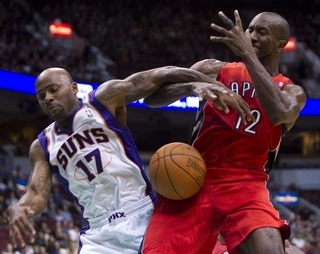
48,97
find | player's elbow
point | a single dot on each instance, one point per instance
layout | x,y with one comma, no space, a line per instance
287,115
201,66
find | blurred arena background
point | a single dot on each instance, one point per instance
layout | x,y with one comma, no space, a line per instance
101,40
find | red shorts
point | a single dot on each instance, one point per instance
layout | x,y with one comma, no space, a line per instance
234,201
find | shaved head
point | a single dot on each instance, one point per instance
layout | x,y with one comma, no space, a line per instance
54,75
275,20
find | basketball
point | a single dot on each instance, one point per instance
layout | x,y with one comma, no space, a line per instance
177,171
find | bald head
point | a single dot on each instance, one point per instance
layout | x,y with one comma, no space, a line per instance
54,75
279,24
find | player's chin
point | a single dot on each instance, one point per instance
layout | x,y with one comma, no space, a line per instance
55,115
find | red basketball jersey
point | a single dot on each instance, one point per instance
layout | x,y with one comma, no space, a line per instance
223,140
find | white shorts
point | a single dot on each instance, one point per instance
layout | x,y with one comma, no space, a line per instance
118,232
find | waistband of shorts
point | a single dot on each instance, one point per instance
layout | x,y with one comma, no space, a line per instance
144,204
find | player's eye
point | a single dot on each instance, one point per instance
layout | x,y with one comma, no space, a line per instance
40,96
53,90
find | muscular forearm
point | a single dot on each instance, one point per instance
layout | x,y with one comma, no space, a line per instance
38,188
178,75
168,94
278,107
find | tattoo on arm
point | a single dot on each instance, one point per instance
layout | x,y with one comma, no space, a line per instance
43,185
139,88
132,89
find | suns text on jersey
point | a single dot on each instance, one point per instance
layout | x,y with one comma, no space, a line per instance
78,141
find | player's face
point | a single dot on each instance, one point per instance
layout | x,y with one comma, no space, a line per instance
56,98
264,41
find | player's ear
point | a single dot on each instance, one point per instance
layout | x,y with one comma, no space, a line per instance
280,45
74,87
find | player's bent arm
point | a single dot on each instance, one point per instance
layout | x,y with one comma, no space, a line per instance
40,180
298,97
168,94
34,200
118,93
172,92
209,67
281,106
39,183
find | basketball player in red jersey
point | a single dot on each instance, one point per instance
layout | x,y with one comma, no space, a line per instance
234,198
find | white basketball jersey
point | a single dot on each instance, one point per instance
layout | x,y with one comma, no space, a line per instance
97,160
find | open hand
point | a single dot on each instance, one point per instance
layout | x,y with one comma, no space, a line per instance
235,37
222,97
19,225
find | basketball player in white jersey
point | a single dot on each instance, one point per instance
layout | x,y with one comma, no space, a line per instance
91,151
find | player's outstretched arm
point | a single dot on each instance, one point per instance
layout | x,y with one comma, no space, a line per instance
117,93
168,94
33,201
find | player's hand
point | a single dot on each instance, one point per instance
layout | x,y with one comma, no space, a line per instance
208,91
19,225
222,97
235,37
235,101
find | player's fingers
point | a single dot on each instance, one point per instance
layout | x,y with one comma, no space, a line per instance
200,95
29,230
16,237
246,115
219,29
228,22
12,237
210,96
249,116
237,19
220,39
241,113
25,225
224,107
243,117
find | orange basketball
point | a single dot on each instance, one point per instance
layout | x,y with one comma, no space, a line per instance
177,171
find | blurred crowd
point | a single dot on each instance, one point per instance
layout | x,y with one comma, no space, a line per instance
10,147
305,233
118,38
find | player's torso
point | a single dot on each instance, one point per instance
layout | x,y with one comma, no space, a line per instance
224,140
98,162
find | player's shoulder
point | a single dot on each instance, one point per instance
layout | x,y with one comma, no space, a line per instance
36,151
208,63
210,67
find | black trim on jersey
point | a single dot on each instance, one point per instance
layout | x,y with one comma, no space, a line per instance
198,122
272,156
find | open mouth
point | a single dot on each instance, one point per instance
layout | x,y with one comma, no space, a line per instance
255,48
